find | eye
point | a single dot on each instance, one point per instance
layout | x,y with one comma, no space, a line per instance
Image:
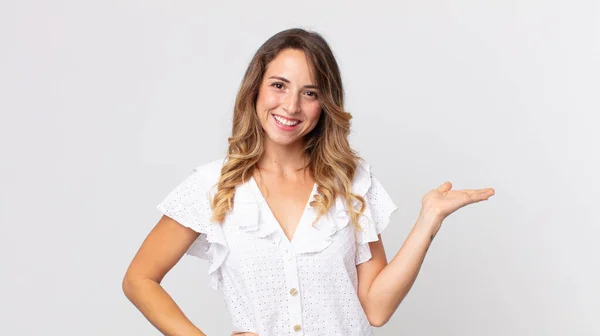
277,85
312,94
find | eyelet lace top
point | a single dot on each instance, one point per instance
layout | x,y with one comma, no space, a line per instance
273,285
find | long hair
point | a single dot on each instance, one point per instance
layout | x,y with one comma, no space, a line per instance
332,162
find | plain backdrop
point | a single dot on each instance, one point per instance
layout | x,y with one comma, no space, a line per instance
107,105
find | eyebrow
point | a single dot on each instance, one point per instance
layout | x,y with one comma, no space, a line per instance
287,81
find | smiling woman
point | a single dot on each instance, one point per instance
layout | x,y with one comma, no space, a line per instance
290,219
287,103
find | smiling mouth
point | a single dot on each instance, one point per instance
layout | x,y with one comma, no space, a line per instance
286,122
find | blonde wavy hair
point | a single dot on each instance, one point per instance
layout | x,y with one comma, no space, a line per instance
332,162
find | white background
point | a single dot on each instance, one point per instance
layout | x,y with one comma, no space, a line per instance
106,106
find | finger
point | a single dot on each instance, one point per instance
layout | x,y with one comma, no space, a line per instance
444,187
486,193
482,194
478,192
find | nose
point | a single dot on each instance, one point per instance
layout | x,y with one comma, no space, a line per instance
291,103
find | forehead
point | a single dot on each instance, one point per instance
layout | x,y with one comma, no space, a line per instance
291,64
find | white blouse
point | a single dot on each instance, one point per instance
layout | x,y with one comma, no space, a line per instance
274,286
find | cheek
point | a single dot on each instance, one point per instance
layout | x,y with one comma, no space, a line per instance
313,112
267,100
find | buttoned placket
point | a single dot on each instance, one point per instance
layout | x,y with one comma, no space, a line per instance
288,251
292,287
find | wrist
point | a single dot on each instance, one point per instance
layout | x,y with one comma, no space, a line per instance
430,215
429,222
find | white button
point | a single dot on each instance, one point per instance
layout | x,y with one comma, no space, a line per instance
289,255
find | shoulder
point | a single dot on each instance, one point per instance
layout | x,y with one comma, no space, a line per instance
210,169
208,172
193,192
362,177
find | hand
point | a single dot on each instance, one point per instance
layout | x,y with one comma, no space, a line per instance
442,202
245,334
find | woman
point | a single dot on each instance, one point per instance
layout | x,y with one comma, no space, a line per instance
290,219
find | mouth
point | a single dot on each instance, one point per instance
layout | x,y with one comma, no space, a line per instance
286,123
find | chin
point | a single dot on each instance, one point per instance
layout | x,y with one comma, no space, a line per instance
280,139
283,141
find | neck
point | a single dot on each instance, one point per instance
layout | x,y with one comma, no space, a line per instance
283,159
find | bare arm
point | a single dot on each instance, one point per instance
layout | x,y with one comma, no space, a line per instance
383,286
160,251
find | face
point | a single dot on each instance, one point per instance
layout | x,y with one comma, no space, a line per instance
288,100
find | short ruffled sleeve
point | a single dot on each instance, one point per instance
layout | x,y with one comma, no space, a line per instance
378,210
189,205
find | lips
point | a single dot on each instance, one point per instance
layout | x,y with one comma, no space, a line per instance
286,121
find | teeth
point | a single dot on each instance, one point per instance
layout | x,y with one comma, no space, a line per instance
285,122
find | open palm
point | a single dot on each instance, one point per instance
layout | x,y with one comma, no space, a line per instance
443,201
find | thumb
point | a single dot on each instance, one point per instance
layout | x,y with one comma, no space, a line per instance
444,187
